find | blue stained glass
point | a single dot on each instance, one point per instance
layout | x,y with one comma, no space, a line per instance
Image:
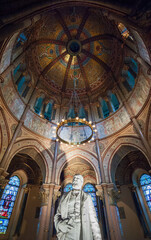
21,39
7,202
90,189
67,188
145,182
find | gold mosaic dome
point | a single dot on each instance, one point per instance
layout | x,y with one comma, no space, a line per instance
75,47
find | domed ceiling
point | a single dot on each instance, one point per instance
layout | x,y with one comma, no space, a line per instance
75,47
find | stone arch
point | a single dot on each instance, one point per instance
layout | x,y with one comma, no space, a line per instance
67,157
117,150
37,152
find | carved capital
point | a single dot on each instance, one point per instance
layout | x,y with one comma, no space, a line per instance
44,195
113,196
132,187
26,188
100,192
3,182
56,193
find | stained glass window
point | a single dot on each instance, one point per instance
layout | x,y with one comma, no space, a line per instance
145,182
67,188
7,202
21,39
90,189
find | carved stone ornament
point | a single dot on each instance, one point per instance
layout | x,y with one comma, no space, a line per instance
44,196
56,193
113,196
3,182
100,192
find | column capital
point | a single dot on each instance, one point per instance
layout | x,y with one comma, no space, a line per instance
56,193
113,196
100,192
111,190
132,187
3,182
44,194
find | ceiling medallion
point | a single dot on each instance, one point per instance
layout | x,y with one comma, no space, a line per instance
74,47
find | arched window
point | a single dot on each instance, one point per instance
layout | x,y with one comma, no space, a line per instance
7,202
129,78
145,182
81,113
21,84
67,188
38,104
113,101
105,109
16,69
132,64
48,111
21,40
90,189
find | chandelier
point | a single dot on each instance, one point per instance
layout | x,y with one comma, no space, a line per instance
74,129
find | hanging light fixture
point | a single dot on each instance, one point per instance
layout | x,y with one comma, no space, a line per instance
75,130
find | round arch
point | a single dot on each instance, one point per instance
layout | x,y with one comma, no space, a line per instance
91,159
37,152
117,150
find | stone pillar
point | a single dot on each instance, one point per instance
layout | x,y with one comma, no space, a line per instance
48,193
44,196
56,194
109,196
49,209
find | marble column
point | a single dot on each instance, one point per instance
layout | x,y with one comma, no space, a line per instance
109,196
44,196
114,231
56,195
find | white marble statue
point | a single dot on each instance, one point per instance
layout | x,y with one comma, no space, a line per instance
76,216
